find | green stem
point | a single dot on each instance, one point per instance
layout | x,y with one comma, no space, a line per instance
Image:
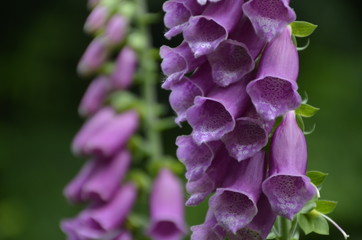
149,92
284,230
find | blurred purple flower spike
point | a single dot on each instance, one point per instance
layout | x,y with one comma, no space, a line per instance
113,136
102,221
125,68
94,96
96,19
287,187
116,29
93,57
167,208
274,91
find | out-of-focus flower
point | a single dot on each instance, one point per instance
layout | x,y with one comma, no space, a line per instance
125,68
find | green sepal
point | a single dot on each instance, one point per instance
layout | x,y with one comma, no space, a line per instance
316,177
306,110
272,235
309,206
313,222
137,41
166,162
136,222
325,206
302,28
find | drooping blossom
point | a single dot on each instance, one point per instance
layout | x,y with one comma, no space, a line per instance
116,29
167,208
125,67
287,187
274,91
96,19
210,229
235,202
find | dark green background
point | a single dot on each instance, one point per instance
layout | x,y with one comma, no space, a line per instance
41,42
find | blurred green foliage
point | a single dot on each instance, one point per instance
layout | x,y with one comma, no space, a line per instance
41,42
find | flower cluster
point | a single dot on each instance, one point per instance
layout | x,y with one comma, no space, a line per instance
231,77
106,135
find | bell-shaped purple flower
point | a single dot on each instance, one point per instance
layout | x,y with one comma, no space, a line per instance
269,17
261,225
94,97
91,127
213,116
113,136
235,203
249,136
104,220
177,62
287,187
93,57
204,33
230,62
274,91
98,180
212,178
116,29
73,191
125,67
103,183
209,230
167,208
186,90
196,158
177,14
96,19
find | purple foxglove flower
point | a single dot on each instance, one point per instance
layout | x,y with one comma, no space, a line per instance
213,116
96,19
115,29
94,97
269,17
196,158
230,62
112,137
124,236
91,127
209,230
177,14
212,178
204,33
261,225
235,204
249,136
105,180
123,73
274,91
93,57
177,62
73,191
184,92
287,187
167,208
103,221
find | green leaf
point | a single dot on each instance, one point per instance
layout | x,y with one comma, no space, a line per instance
316,177
272,235
325,206
306,110
302,28
313,222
